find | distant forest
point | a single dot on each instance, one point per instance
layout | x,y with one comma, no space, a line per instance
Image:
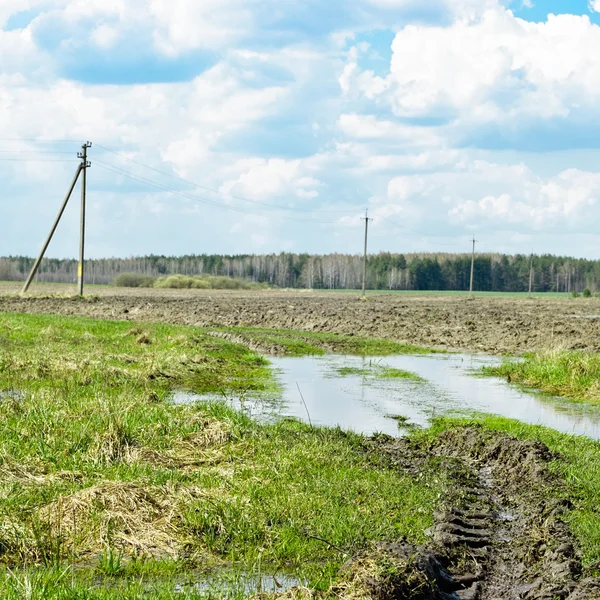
493,272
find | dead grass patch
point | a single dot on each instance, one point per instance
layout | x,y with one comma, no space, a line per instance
137,520
199,448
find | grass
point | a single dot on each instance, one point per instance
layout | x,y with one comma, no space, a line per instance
391,373
108,490
379,371
301,343
567,373
577,464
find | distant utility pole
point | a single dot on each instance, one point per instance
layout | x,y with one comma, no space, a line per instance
81,167
472,268
531,275
366,219
84,167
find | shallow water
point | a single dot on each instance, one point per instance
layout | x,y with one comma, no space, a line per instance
313,389
239,584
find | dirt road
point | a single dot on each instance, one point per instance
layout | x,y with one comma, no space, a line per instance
485,324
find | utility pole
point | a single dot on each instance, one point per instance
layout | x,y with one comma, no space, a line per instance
472,268
36,266
366,219
84,167
531,274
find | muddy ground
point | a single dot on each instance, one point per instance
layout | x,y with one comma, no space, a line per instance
501,533
497,325
499,536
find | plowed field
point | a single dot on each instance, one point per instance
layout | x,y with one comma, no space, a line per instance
496,325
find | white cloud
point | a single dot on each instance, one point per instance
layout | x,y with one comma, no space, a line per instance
263,179
494,68
105,36
493,197
568,200
594,5
184,25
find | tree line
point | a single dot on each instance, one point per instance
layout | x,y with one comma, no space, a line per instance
493,272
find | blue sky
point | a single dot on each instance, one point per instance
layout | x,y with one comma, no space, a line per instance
259,126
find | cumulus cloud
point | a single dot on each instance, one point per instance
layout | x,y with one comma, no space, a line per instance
594,5
265,179
492,197
496,68
565,201
283,113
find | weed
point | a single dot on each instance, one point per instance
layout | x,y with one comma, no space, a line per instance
110,563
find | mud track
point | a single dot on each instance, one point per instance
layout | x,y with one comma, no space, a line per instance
501,534
486,324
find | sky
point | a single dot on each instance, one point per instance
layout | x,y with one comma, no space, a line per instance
259,126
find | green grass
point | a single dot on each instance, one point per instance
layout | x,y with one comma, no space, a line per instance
377,370
567,373
577,464
301,343
108,490
391,373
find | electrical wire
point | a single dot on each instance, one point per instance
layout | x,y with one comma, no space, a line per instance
218,192
35,152
200,199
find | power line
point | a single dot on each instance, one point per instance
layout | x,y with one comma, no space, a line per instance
35,152
63,160
218,192
200,199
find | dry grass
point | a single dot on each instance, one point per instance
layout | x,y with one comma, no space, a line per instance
141,521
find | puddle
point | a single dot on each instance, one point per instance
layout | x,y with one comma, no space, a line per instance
364,404
236,584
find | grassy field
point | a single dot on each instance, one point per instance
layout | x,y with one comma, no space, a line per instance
109,490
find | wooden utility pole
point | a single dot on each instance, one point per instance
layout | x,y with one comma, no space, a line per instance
531,275
36,266
364,283
84,167
472,268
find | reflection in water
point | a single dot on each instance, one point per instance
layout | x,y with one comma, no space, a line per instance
363,403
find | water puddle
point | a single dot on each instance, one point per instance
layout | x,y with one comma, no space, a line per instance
359,401
226,584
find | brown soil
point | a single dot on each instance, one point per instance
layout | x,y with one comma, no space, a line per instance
486,324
